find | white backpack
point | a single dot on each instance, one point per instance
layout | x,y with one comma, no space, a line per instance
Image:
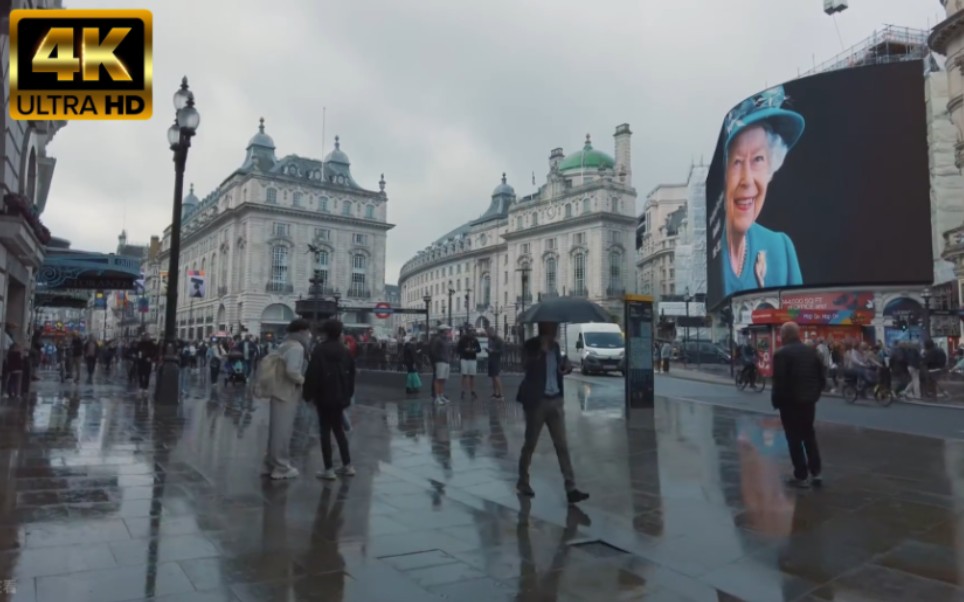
270,372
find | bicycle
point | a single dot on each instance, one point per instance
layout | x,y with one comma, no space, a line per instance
856,386
930,386
757,384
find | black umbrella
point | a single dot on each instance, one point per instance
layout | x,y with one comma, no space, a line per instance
574,310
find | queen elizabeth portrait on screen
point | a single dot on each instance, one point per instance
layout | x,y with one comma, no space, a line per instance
759,134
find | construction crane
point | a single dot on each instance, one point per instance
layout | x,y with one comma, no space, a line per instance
832,7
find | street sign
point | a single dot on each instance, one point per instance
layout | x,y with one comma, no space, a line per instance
383,310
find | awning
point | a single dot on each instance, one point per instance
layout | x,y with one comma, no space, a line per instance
64,269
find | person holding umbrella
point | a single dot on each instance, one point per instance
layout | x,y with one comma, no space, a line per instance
541,395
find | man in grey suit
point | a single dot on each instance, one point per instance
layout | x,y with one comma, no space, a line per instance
541,396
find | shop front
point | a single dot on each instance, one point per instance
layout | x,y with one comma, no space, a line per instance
903,321
828,324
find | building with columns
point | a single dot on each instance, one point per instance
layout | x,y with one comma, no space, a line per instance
250,236
573,236
947,38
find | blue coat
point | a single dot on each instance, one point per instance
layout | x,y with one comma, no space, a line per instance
783,269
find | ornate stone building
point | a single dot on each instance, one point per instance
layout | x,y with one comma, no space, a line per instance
26,172
250,238
573,236
660,226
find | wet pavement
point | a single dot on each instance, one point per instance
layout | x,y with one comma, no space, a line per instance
105,498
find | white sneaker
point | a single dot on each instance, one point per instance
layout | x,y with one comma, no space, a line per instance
290,473
327,474
347,471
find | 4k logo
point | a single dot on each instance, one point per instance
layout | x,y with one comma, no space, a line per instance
81,64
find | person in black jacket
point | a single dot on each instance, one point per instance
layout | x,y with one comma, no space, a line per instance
798,377
330,385
541,396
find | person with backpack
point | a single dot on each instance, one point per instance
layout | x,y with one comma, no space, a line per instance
330,385
280,379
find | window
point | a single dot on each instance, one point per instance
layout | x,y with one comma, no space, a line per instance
580,238
585,205
505,298
214,272
579,273
296,199
458,285
323,204
568,209
322,234
535,219
524,248
518,223
359,239
346,208
321,266
370,212
458,269
272,196
615,272
359,269
486,284
279,264
280,229
482,240
550,244
505,277
505,260
551,275
614,236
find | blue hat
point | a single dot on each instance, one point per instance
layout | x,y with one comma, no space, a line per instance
765,107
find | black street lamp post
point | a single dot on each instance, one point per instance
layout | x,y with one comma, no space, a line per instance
926,294
179,136
428,304
467,317
451,292
337,296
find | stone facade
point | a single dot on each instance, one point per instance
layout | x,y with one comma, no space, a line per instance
663,217
26,172
571,237
251,238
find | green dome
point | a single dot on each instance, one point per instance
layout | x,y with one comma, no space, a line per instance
587,157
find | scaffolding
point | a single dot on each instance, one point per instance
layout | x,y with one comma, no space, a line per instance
892,44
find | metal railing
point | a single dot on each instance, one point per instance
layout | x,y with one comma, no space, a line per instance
388,356
615,292
283,288
357,292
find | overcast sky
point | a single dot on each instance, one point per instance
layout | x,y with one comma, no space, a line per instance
441,96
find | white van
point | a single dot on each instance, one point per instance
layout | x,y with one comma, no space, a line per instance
595,347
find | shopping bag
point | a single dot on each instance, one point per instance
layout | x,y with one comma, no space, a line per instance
413,382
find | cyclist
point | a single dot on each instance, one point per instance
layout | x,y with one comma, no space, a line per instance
748,358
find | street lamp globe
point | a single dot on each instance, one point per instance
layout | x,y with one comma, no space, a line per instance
188,118
174,135
182,95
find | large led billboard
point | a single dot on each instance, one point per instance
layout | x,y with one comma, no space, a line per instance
822,181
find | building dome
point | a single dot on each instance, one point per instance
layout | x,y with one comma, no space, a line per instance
190,199
337,155
588,157
261,139
503,189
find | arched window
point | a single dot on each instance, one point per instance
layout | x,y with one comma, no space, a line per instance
370,212
359,277
346,208
279,265
579,274
323,204
568,209
615,273
296,199
585,205
551,275
273,196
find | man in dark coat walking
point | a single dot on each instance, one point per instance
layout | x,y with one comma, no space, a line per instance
330,385
541,395
798,377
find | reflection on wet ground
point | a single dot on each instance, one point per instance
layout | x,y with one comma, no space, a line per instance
106,498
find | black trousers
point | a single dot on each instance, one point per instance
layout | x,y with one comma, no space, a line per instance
330,421
143,373
802,439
